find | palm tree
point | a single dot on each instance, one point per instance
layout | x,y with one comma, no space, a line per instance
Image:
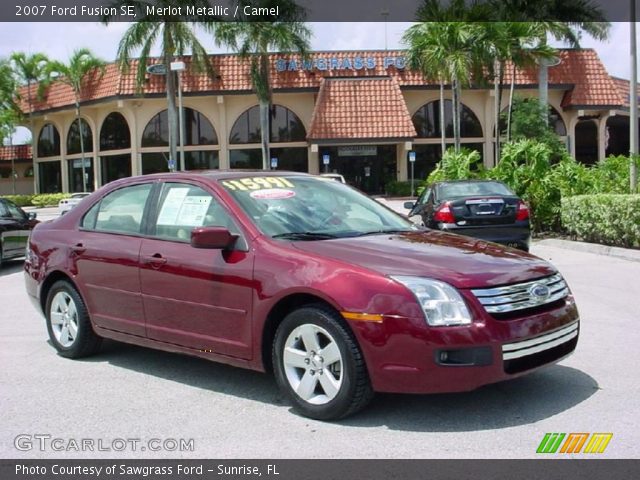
570,19
513,42
428,55
30,70
176,37
81,64
446,39
9,112
254,37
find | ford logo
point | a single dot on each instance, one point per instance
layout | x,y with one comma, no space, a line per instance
539,292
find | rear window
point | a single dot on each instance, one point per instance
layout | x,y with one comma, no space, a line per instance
472,189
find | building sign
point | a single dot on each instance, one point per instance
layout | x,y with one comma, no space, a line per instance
338,63
358,151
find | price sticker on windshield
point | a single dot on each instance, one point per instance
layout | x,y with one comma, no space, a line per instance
257,183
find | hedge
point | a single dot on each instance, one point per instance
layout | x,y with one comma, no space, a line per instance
39,200
400,189
609,219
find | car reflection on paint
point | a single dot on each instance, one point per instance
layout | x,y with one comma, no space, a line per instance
336,294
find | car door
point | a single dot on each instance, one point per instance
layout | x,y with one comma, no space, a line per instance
198,298
104,256
421,205
15,228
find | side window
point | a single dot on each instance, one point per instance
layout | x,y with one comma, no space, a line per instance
15,212
4,211
183,207
120,211
424,196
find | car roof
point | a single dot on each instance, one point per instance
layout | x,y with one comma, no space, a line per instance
207,174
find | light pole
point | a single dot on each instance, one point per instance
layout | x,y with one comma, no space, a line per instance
161,69
179,67
633,104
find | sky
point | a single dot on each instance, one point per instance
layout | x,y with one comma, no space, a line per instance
59,40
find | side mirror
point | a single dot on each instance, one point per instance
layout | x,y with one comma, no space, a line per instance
212,237
409,205
32,215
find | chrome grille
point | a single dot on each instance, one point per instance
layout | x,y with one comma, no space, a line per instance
522,295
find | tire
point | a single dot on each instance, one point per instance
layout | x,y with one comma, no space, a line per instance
68,322
323,372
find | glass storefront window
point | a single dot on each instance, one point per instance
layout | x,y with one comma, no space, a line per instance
114,167
249,158
49,141
155,162
427,121
366,167
291,159
115,134
73,138
285,126
75,175
198,130
50,177
202,160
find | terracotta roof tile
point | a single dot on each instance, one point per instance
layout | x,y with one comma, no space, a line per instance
623,87
580,70
16,152
360,108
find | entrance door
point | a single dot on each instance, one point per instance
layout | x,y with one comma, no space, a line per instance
367,167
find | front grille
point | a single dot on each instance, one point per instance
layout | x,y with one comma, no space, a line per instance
520,296
528,354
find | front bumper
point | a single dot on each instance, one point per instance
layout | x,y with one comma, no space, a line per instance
404,356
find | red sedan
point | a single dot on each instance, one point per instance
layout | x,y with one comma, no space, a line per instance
338,295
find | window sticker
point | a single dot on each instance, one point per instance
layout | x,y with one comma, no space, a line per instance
272,194
171,206
182,209
194,210
257,183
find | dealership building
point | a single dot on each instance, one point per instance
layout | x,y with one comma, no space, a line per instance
358,113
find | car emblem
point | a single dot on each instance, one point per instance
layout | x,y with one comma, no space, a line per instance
539,292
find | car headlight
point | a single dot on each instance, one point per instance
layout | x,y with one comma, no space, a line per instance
441,303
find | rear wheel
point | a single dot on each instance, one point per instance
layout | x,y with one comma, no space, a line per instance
68,323
319,366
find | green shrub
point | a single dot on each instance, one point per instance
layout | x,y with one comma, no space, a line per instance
399,189
610,219
457,166
48,199
20,200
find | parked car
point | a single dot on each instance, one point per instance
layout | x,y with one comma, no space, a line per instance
337,294
15,227
334,176
485,209
74,199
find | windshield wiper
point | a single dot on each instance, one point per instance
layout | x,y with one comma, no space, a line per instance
304,236
382,232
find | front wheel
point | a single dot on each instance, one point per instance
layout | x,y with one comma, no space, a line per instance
68,323
319,366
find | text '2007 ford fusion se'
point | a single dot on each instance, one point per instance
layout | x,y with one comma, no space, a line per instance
338,295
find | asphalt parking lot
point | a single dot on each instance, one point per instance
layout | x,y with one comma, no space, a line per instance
134,393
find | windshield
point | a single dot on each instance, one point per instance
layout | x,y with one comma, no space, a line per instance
469,189
312,208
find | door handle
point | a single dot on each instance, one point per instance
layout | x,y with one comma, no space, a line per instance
78,248
155,260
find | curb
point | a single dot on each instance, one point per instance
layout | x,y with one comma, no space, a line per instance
618,252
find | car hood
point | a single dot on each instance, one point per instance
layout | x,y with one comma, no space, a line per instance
461,261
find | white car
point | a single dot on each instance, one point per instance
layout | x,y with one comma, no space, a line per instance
67,204
334,176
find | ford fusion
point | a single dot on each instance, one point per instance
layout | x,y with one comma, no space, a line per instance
336,294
